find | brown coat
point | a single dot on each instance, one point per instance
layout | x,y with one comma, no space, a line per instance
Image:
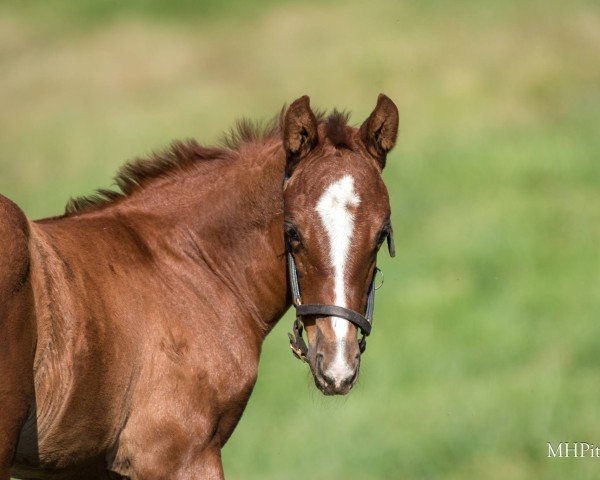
131,327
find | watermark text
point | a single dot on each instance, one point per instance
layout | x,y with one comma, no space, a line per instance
573,450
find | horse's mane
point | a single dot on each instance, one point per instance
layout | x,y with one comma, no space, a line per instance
135,173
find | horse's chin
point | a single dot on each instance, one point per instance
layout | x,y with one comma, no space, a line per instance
330,393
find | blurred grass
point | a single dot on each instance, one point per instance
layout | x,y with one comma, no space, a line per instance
487,343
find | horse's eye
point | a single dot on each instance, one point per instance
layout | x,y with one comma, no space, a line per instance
292,236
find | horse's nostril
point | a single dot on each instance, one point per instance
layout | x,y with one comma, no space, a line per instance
326,378
319,362
349,380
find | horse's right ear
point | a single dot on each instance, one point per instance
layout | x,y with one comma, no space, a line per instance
299,132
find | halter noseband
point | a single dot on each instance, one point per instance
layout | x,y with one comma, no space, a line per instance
362,322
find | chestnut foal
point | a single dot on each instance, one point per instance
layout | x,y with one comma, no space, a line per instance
131,326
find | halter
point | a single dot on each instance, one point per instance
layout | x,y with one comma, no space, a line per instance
362,322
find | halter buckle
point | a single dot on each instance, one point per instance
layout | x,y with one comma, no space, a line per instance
297,344
298,353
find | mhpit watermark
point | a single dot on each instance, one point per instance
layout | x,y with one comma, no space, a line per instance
573,450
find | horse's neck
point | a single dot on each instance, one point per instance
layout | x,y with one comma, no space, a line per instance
230,214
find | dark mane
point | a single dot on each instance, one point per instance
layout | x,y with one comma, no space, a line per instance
135,173
247,130
180,155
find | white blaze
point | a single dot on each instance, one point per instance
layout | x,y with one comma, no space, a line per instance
336,215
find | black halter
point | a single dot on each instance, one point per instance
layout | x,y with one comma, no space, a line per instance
362,322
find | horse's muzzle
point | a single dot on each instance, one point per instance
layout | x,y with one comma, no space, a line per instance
335,366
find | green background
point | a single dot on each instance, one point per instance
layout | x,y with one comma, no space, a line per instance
487,338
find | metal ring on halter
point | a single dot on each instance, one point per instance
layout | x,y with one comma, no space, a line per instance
380,272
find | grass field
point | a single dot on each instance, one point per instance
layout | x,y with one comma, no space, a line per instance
487,337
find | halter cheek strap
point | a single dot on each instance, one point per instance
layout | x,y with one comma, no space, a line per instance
362,322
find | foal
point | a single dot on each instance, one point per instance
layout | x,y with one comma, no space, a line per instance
131,326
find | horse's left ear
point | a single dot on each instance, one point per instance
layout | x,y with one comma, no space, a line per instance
379,132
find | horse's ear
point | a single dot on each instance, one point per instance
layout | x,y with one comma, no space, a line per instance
299,132
379,132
